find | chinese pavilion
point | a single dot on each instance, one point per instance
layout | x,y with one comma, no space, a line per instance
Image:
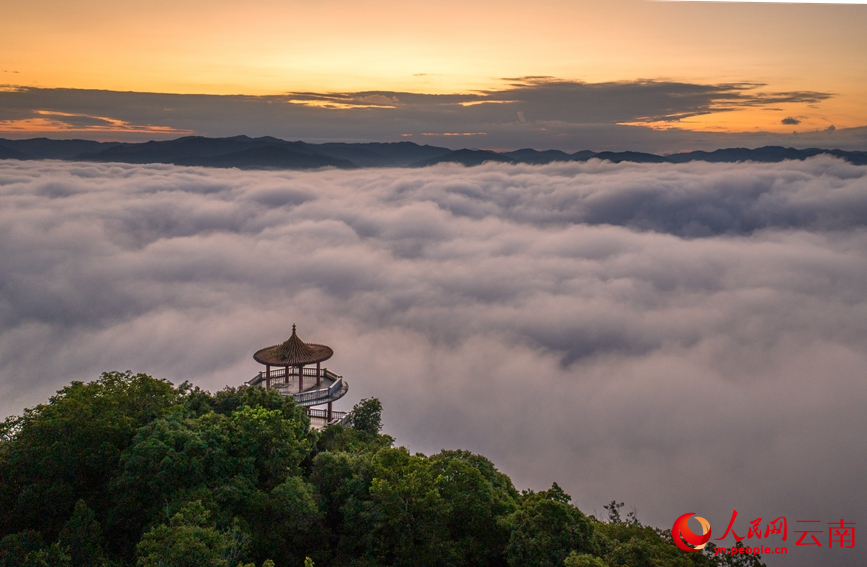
294,368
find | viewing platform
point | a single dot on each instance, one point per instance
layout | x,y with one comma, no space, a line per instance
285,372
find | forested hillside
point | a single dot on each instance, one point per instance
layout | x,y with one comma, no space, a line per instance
130,470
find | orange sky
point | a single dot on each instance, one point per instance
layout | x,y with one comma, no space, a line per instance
276,46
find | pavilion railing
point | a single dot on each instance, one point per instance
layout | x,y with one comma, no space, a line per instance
312,397
278,376
336,416
279,379
280,372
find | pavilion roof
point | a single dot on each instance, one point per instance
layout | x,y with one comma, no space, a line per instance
293,352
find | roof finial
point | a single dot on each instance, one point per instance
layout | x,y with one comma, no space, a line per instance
293,328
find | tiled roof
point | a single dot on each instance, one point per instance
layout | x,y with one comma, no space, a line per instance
294,352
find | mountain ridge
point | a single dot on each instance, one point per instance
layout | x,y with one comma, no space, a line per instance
267,152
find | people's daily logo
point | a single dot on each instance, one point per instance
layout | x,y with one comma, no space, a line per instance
683,535
812,533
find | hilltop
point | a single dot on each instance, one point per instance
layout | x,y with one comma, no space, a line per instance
131,470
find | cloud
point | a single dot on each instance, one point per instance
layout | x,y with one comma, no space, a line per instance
527,112
639,101
790,121
26,122
679,337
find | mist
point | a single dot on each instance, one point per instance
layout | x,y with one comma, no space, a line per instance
678,337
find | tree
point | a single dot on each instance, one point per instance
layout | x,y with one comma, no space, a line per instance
576,559
128,469
479,498
366,416
613,508
287,523
15,548
190,540
342,480
229,399
739,559
411,515
28,549
69,448
546,528
633,545
82,538
228,461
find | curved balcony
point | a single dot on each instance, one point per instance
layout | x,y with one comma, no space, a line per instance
311,388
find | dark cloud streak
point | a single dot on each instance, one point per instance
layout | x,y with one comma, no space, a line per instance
533,112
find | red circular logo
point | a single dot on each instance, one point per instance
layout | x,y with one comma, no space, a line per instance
681,533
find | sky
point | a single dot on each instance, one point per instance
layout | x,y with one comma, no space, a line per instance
559,74
678,337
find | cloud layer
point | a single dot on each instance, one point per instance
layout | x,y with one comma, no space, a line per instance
542,113
679,337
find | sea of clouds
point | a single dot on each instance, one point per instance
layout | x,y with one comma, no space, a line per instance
683,338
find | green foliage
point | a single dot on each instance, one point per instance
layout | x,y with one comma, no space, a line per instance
129,470
16,548
286,523
342,481
232,462
190,540
576,559
613,508
631,544
478,497
338,439
366,416
69,448
545,529
82,538
737,560
411,511
28,549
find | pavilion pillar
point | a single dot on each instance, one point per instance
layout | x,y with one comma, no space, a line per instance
329,412
294,356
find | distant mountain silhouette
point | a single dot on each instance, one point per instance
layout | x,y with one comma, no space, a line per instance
766,154
618,157
11,153
190,150
268,157
465,157
378,154
583,155
362,157
269,152
45,148
528,155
